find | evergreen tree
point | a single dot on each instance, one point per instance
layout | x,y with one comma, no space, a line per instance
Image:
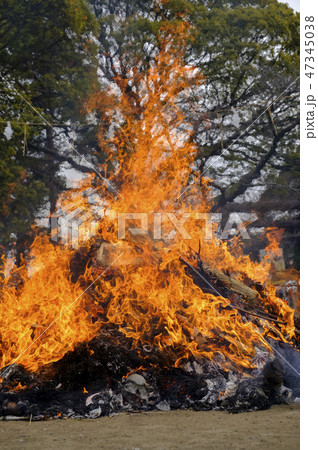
48,66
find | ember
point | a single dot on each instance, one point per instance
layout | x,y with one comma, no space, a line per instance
145,320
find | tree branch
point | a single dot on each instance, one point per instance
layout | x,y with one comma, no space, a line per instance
241,186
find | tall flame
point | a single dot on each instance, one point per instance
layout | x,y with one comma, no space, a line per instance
150,158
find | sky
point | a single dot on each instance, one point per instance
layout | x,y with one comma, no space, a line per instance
293,3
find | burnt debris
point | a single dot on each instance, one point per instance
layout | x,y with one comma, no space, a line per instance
107,376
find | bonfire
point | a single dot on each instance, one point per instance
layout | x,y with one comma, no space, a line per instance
150,310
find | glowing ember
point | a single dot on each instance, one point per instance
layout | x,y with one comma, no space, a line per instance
155,303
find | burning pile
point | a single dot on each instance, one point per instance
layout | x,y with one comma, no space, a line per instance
149,318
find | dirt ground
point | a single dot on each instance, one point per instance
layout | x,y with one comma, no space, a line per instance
276,428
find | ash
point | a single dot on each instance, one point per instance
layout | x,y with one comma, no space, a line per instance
103,378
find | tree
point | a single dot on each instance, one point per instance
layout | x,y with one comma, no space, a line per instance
250,131
249,53
48,66
246,120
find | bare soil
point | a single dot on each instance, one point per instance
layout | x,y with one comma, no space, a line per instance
276,428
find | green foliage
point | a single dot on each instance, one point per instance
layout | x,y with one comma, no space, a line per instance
236,40
47,55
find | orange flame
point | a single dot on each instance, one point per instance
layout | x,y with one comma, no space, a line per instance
150,158
44,315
